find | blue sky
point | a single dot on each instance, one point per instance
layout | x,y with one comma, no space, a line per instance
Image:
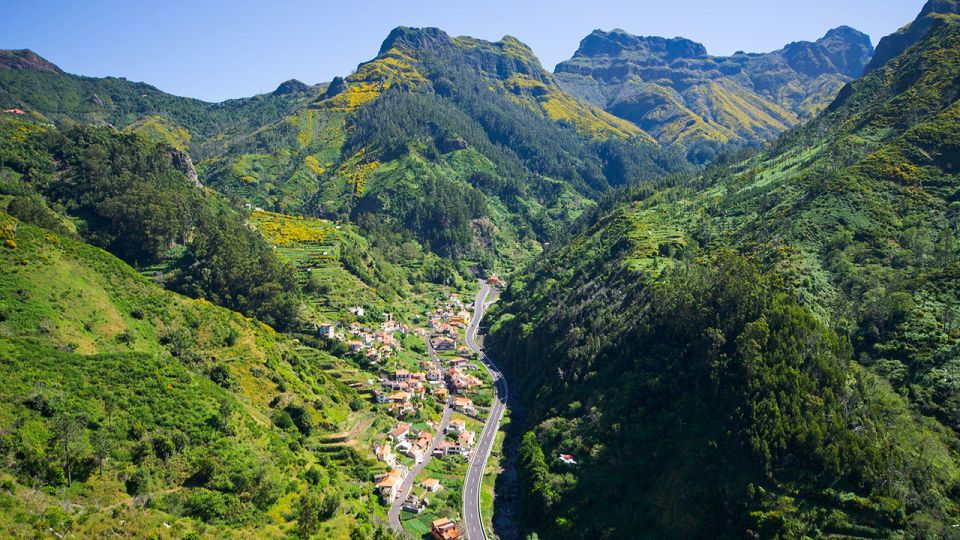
215,50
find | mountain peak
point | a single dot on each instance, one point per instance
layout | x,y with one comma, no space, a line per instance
845,33
943,7
415,38
933,13
27,60
617,41
293,86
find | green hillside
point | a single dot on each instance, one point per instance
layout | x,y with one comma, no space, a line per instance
767,349
134,411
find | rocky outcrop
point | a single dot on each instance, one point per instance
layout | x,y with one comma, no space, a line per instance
292,86
181,160
337,86
452,145
26,59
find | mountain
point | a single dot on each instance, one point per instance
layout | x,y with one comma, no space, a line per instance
767,349
682,96
934,13
465,143
479,125
34,84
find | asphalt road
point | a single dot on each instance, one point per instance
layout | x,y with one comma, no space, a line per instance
478,460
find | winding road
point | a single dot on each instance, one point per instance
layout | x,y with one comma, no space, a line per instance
478,461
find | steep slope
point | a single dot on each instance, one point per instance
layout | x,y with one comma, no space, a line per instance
768,349
129,410
682,96
143,202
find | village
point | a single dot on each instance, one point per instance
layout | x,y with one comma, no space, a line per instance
437,395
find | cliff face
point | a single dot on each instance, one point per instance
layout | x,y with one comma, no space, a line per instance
676,91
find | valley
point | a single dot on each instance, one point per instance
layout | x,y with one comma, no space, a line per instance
654,293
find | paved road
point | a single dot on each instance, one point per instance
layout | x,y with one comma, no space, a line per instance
478,461
395,508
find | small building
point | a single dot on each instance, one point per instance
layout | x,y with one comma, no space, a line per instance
388,484
399,397
415,504
464,405
431,484
444,344
567,459
327,330
384,453
466,439
399,433
457,426
444,529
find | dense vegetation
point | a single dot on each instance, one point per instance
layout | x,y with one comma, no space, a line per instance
823,350
141,407
128,196
767,348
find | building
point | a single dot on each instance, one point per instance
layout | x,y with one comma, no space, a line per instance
444,344
399,397
388,484
444,529
385,454
464,405
327,330
399,433
415,504
466,438
457,426
431,484
567,459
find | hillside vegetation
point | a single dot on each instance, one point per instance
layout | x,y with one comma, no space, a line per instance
770,344
127,407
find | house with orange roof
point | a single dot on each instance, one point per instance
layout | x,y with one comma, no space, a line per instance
388,484
431,484
399,433
444,529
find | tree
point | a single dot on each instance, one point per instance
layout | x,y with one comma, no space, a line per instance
103,443
70,441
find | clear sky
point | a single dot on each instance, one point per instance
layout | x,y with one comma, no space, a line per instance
218,49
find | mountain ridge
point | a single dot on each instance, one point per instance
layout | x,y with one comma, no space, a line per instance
675,90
